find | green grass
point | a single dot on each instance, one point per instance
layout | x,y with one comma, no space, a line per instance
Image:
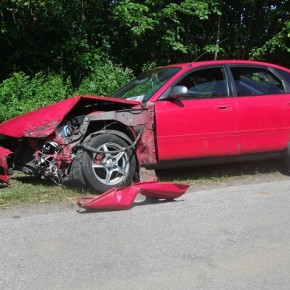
25,189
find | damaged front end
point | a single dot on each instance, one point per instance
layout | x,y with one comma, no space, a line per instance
63,142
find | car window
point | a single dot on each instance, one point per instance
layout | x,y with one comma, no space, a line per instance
253,81
145,85
205,83
286,76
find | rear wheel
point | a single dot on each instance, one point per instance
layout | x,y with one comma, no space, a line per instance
111,167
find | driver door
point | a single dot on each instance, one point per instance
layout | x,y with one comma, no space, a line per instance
202,124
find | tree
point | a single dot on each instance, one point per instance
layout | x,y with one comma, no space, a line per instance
68,37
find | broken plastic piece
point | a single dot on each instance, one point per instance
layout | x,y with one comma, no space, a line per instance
4,169
115,199
162,190
119,199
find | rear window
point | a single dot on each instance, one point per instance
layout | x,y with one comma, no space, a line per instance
285,75
255,81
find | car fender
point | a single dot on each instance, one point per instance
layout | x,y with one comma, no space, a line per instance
133,119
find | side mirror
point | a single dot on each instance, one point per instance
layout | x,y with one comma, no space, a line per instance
177,92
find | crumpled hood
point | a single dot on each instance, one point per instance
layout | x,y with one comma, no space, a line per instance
43,122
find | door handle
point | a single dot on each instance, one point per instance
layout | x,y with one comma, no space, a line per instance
223,108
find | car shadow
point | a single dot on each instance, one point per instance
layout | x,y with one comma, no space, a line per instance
215,172
208,172
33,180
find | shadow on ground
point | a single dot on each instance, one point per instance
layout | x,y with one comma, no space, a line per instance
233,170
196,174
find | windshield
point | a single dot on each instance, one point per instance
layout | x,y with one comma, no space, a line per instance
144,86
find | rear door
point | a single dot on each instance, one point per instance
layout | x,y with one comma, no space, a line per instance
264,109
204,123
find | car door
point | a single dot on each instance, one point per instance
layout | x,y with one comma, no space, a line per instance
264,109
202,124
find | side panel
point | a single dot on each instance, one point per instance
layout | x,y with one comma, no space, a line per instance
197,128
264,123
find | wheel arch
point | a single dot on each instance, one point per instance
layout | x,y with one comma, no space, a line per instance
118,133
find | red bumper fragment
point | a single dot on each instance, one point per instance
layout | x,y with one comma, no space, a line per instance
4,169
162,190
118,199
113,199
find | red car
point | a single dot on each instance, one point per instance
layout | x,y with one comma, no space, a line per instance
174,116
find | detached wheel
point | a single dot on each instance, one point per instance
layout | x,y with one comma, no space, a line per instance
107,169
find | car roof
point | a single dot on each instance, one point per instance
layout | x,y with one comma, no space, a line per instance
223,62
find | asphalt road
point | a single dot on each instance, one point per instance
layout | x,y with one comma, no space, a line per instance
236,237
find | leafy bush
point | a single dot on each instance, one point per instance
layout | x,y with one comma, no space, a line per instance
149,65
20,93
104,79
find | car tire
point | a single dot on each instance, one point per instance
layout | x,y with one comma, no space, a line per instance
286,159
104,171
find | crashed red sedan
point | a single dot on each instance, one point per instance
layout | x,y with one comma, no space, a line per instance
173,116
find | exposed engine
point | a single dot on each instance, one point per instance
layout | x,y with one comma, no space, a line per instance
54,158
47,161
